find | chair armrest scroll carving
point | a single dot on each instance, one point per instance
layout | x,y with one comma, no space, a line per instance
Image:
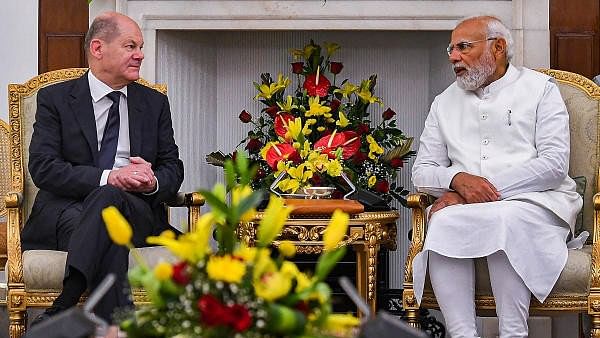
595,270
14,201
418,202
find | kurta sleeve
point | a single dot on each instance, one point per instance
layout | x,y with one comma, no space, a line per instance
432,172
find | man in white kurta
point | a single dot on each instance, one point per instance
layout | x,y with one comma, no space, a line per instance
495,151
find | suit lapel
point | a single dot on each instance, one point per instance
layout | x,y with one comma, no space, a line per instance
83,110
135,107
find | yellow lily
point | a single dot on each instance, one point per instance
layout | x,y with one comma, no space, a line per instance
226,269
272,286
267,91
297,53
283,82
331,48
336,230
273,220
117,226
346,90
318,162
374,148
315,107
341,325
288,105
238,193
308,50
366,96
294,129
343,120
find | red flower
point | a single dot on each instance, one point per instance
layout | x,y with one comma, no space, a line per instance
180,275
239,317
347,140
397,163
281,151
272,111
388,114
212,311
335,67
254,145
297,67
334,105
316,89
363,128
245,117
382,186
281,123
337,195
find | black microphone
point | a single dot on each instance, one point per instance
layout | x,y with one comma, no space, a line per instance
75,322
382,325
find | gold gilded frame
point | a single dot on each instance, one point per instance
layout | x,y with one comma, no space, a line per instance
589,304
18,299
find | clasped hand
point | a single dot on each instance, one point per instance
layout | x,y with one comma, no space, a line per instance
467,189
135,177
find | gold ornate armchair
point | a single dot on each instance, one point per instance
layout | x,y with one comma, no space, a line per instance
35,276
578,287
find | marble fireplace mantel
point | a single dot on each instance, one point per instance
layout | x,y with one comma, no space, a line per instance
527,18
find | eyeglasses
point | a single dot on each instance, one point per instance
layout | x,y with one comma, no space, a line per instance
465,46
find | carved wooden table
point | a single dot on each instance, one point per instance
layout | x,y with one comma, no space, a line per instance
367,232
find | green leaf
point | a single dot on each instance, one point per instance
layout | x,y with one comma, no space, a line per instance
327,262
214,201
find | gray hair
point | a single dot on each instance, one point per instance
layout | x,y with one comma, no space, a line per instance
496,29
103,27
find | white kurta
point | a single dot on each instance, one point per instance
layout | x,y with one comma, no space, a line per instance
515,133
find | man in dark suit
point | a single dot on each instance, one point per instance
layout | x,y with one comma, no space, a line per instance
100,140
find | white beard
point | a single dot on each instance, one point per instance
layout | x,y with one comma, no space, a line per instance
477,74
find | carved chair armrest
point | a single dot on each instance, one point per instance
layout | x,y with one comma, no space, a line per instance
417,202
14,205
595,276
193,201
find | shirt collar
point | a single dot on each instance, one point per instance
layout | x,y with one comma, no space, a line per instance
510,76
99,89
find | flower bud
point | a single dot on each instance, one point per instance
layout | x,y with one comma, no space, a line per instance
245,117
297,67
335,67
396,163
254,145
382,186
388,114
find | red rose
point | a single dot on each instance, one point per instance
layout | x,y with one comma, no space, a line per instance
316,89
388,114
337,195
334,105
180,275
239,317
245,117
297,67
363,128
359,157
397,163
212,311
254,145
272,111
382,186
335,67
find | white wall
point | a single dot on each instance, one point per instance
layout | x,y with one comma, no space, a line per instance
19,41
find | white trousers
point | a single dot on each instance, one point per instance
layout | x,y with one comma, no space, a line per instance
453,282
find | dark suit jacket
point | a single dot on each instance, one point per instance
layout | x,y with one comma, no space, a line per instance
63,154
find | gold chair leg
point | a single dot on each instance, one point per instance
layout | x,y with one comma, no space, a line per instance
595,323
17,320
409,302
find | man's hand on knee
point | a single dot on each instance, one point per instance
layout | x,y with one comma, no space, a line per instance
446,200
474,189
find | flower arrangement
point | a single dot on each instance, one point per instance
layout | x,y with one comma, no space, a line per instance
323,130
235,291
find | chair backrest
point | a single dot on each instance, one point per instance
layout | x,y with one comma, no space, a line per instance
22,106
582,98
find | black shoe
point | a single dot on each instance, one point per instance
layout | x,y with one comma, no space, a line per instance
51,311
